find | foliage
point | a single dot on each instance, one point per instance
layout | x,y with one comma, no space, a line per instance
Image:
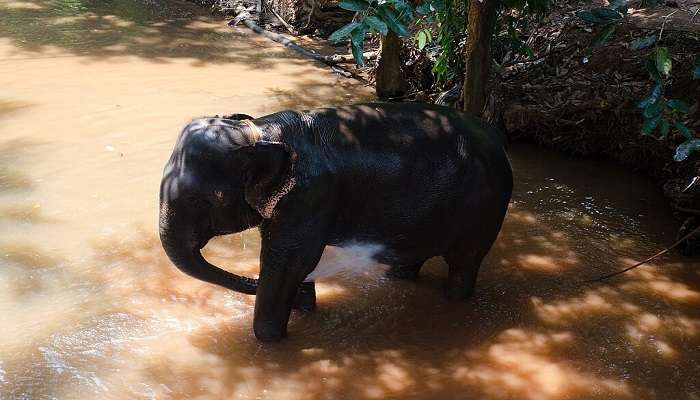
442,21
604,18
380,16
451,20
660,113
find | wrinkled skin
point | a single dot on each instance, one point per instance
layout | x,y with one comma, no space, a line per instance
421,180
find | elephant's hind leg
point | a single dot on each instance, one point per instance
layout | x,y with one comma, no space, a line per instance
465,255
462,274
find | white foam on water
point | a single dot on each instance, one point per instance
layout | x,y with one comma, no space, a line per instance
2,375
349,259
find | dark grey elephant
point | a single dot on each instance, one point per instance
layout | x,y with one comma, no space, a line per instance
419,180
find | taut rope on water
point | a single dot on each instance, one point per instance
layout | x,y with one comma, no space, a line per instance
639,264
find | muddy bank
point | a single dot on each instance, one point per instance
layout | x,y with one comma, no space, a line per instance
583,100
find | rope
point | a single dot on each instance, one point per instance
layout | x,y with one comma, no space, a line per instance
257,135
662,252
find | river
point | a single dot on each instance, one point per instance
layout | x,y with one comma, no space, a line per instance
92,96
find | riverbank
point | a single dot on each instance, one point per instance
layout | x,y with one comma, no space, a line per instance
582,100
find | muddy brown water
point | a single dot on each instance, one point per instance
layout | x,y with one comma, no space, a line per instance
92,95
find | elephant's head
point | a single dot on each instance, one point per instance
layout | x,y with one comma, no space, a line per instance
222,178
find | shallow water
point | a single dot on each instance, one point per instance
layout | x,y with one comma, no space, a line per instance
92,96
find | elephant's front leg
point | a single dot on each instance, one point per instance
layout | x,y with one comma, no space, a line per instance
306,297
284,266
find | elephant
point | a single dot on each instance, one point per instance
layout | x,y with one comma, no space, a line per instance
418,180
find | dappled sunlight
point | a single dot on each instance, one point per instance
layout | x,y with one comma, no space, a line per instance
159,32
534,334
534,244
528,365
93,308
313,94
538,262
23,5
591,304
651,279
153,288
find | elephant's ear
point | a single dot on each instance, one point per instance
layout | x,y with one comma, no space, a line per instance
269,176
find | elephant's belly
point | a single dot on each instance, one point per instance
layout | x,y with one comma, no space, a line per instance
367,258
350,258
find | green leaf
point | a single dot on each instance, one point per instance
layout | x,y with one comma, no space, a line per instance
649,125
662,61
354,5
392,21
604,34
643,42
589,17
424,8
404,9
357,38
678,106
438,5
422,39
653,72
652,110
652,97
376,24
343,32
664,127
685,148
606,14
684,130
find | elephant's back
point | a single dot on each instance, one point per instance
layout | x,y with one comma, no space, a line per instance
378,126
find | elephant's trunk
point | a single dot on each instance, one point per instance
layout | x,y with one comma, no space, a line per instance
184,251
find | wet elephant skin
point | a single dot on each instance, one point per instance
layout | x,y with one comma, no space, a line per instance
418,180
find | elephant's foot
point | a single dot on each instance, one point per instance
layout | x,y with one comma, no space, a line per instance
306,297
404,272
461,283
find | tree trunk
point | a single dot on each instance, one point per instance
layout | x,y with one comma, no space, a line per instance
390,80
480,27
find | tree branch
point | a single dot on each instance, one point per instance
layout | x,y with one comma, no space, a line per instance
332,60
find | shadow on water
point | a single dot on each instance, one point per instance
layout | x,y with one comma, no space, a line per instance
309,94
15,185
533,330
156,31
12,155
8,107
